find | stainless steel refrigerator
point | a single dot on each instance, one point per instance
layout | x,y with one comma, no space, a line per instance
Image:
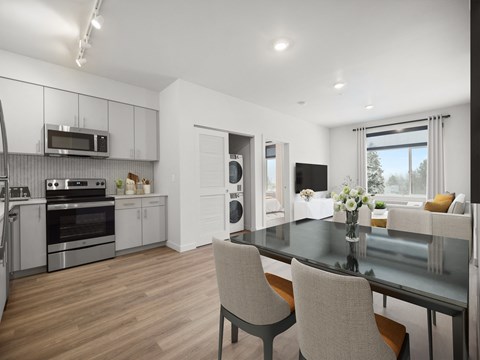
4,242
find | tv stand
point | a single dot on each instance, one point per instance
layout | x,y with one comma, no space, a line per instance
313,209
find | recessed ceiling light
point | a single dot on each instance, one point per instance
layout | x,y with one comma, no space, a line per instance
281,44
339,85
369,107
97,22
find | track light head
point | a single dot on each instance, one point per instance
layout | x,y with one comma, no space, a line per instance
81,61
97,22
84,44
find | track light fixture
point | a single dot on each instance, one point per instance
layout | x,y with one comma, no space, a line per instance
81,61
96,21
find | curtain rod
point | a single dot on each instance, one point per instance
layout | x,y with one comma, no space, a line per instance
401,122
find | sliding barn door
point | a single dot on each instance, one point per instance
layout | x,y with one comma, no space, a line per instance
213,178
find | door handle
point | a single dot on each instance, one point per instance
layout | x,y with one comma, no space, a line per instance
138,214
144,213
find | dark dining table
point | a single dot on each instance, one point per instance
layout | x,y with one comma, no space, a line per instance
426,270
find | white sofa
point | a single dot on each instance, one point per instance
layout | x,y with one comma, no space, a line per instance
442,224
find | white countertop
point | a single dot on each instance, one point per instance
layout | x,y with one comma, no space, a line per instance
136,196
12,204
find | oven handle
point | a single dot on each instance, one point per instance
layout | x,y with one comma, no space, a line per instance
69,206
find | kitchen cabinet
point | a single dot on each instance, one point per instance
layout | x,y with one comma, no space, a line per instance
93,113
22,103
61,107
33,236
153,221
140,221
128,223
146,134
121,128
72,109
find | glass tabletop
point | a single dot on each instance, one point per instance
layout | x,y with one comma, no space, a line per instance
431,266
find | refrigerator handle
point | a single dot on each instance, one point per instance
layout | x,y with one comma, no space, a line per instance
5,221
5,174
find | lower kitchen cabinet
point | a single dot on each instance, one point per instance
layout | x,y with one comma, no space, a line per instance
33,236
140,221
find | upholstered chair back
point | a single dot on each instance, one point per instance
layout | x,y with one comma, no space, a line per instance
243,287
335,318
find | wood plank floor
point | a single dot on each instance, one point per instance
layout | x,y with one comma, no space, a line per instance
156,304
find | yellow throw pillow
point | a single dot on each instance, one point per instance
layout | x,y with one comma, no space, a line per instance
444,197
438,206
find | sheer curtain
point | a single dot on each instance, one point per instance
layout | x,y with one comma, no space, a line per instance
362,157
436,170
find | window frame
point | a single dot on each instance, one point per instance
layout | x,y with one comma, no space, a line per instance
408,146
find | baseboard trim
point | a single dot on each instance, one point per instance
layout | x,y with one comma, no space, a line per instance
181,248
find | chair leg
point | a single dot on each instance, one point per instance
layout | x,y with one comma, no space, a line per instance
220,335
430,340
384,301
234,333
267,348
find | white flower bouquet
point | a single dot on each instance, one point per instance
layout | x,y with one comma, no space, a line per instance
307,194
351,199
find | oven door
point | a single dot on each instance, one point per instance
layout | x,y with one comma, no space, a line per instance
75,225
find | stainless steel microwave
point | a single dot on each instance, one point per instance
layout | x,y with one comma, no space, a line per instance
67,140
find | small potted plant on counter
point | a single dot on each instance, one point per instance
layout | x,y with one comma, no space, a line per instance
380,208
146,186
120,189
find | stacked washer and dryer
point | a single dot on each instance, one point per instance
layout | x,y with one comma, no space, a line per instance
235,166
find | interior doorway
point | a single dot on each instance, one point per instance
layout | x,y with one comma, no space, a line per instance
277,196
241,183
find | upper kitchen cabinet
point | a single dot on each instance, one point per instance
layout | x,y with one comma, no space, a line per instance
146,134
61,107
121,128
93,113
23,111
71,109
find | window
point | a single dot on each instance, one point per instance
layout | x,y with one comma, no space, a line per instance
270,154
397,161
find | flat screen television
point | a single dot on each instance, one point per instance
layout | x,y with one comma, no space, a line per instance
310,176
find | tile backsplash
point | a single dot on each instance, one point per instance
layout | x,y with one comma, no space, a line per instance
32,170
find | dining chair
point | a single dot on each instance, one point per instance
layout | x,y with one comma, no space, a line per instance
419,222
335,319
258,303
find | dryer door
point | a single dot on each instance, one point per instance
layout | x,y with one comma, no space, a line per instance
235,172
236,211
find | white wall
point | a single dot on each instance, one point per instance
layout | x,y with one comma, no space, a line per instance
196,105
457,147
23,68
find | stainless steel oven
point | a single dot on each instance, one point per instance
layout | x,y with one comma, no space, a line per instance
80,222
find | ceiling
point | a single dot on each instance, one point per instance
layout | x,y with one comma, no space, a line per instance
402,56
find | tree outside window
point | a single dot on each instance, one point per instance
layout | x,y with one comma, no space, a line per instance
397,162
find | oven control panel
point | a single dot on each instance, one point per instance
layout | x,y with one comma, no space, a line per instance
72,184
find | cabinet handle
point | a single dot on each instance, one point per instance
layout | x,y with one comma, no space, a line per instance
144,213
83,121
138,214
39,213
128,204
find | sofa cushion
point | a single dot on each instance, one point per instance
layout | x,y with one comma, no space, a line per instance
437,206
445,197
458,205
